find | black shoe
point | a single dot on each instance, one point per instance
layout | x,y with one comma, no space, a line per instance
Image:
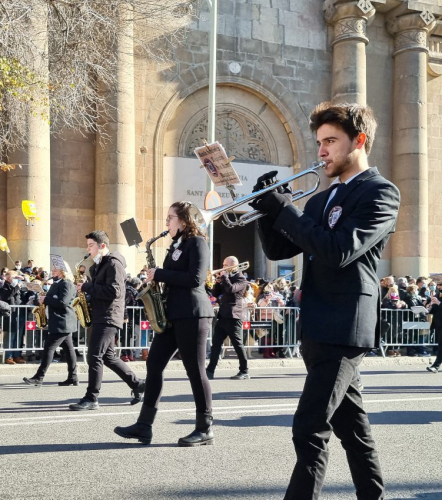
282,355
210,375
69,381
138,393
202,435
240,376
84,404
142,430
33,381
433,369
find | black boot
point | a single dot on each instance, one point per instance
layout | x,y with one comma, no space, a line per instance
142,430
202,434
33,381
138,393
69,381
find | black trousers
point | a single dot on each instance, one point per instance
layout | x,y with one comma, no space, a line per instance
101,350
54,340
331,402
190,337
232,328
438,360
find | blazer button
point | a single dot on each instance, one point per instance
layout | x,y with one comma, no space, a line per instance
311,257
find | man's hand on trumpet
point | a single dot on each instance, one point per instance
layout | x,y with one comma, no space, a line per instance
274,201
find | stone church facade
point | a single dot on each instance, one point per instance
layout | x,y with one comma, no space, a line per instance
276,60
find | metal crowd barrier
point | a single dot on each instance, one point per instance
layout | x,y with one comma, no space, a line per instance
403,328
267,330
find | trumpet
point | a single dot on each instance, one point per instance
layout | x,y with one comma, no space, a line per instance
203,218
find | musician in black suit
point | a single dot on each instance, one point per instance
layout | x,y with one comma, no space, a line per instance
190,314
62,322
229,289
341,233
107,291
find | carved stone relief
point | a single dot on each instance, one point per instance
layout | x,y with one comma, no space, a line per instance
244,136
412,39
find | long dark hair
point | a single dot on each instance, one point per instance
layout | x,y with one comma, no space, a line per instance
182,209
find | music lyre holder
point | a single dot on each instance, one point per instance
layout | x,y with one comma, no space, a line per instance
132,234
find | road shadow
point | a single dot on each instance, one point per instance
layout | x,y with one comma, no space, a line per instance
402,389
405,418
61,405
23,449
285,419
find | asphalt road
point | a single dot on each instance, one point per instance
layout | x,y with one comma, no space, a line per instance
48,452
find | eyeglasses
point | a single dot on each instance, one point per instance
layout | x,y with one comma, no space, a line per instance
170,217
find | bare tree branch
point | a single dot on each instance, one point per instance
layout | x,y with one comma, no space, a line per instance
81,51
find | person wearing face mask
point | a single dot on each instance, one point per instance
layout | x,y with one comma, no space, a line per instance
18,267
412,299
107,292
62,322
190,314
423,291
14,326
82,271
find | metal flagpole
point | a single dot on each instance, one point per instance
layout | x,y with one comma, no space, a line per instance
213,5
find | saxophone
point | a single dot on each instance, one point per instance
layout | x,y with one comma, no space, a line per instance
39,313
152,294
80,304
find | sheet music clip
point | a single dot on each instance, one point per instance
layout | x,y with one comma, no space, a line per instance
132,233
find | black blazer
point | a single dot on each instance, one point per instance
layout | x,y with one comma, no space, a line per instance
62,317
107,290
340,257
185,273
232,289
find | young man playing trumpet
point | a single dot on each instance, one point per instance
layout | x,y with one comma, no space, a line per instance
230,287
341,233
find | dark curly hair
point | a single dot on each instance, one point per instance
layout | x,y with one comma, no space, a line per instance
185,212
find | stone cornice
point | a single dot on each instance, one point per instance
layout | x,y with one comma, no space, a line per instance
349,19
410,31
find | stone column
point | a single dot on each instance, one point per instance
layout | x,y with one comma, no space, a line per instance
115,159
349,21
410,143
33,181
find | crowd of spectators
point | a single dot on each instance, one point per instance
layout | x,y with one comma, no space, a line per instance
406,293
265,301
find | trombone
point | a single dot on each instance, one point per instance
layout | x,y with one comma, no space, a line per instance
203,218
241,267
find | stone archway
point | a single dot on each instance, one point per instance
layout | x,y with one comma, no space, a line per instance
249,129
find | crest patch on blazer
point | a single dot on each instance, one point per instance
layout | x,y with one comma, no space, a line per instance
333,216
176,254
